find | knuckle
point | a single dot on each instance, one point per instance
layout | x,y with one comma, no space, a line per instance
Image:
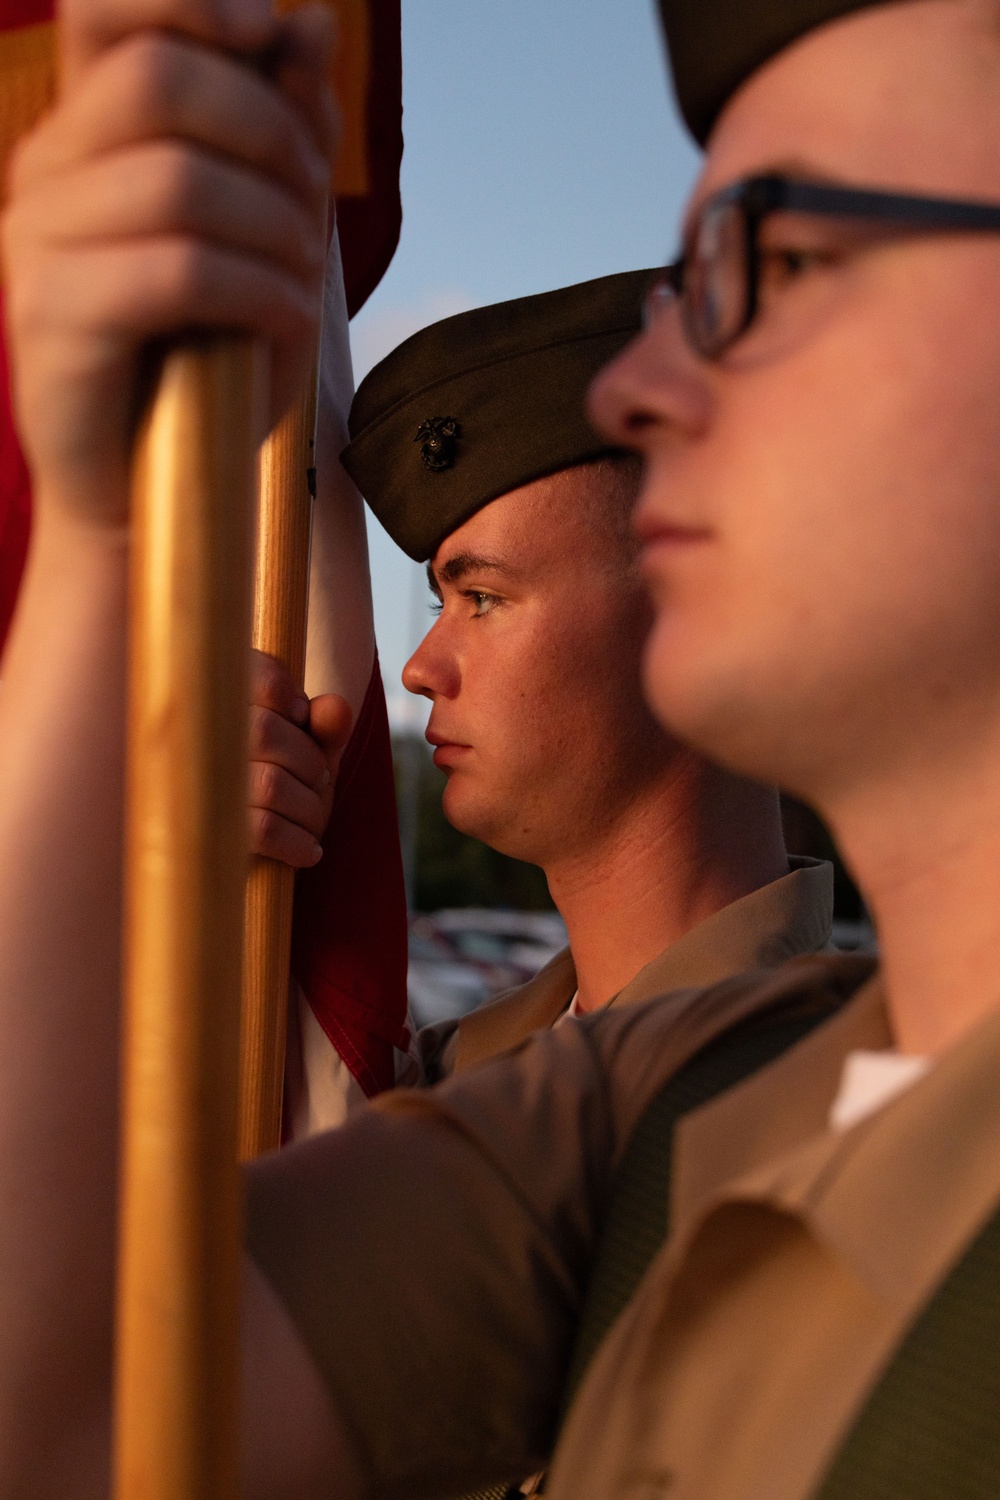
173,181
271,783
258,837
271,683
151,63
265,830
269,731
184,270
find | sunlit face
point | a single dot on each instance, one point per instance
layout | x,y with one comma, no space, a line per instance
821,509
533,667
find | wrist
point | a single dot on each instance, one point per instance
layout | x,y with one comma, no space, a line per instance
63,530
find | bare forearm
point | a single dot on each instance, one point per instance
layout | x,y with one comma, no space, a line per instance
60,882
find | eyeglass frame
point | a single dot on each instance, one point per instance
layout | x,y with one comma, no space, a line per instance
769,193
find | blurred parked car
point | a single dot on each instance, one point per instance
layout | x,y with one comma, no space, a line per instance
462,957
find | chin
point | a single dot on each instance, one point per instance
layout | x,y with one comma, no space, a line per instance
466,809
494,821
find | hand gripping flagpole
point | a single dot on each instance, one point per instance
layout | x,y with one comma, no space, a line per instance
192,575
287,487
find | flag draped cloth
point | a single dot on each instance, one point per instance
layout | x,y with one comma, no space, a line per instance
349,938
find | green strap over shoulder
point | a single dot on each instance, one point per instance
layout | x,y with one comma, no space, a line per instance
637,1218
638,1213
931,1428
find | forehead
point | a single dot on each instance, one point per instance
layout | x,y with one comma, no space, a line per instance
530,527
904,95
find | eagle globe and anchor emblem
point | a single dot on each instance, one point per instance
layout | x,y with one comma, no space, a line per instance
438,438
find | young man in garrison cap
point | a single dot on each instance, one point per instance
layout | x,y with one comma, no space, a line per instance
471,444
803,1259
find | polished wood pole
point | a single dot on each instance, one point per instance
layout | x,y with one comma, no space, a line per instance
192,572
281,598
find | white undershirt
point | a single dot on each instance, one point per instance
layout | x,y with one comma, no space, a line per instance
870,1081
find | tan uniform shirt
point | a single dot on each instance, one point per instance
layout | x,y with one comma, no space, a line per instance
435,1252
789,916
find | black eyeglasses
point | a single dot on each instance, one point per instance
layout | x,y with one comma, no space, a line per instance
717,280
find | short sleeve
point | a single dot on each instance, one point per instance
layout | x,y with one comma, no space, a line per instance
433,1253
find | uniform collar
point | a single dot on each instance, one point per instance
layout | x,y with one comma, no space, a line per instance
787,917
790,916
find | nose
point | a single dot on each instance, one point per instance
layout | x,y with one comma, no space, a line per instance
432,670
655,387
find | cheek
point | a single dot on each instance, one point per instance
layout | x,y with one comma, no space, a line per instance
576,663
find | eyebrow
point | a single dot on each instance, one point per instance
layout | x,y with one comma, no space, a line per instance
459,566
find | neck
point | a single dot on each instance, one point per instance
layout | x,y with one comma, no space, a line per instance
690,844
926,851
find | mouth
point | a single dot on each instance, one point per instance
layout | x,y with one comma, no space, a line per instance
447,753
662,531
664,539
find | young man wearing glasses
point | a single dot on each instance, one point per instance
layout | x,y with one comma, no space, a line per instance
819,515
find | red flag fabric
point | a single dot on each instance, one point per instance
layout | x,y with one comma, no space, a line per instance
27,85
369,210
15,502
349,947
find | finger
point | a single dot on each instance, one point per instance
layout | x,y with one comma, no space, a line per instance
275,740
273,686
89,27
165,189
278,839
273,789
126,293
155,86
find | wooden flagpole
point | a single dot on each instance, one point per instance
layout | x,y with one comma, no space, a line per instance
287,486
192,571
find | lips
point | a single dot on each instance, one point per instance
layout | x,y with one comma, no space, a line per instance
665,539
657,530
447,753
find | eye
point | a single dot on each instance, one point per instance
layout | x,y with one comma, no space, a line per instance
787,264
483,604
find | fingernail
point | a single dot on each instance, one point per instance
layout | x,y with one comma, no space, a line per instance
300,711
317,853
326,775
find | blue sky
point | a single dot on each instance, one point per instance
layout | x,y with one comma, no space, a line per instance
542,148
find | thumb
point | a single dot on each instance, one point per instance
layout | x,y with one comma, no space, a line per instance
330,722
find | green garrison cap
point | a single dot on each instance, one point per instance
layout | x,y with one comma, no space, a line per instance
484,402
715,45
